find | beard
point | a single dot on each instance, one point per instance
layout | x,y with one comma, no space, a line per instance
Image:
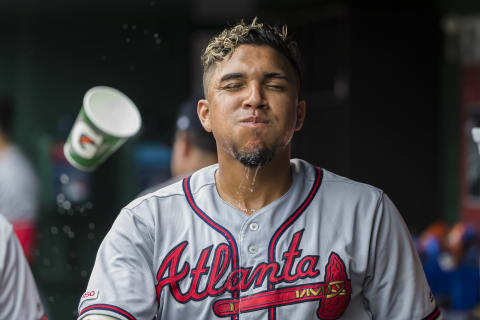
256,158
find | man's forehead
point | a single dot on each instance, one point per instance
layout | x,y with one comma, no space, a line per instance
249,57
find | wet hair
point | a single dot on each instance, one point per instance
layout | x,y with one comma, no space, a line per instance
6,114
223,45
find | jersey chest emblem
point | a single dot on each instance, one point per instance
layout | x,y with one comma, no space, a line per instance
333,293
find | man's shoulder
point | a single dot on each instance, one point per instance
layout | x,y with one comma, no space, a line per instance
332,179
175,189
157,194
340,186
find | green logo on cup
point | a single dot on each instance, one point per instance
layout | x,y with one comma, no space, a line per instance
106,120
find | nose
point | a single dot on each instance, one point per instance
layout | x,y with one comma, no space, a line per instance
255,97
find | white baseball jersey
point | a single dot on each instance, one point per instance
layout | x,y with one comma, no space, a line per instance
18,186
19,297
330,248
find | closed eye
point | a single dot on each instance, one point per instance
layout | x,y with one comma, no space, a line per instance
276,87
231,86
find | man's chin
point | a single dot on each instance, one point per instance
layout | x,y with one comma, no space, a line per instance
255,158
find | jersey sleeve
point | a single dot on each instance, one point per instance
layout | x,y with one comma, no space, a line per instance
19,298
122,283
395,286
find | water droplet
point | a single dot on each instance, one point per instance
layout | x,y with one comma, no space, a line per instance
60,197
71,235
89,205
51,299
155,35
153,3
67,205
158,41
83,273
128,40
91,226
125,26
54,230
66,229
46,262
91,236
64,178
134,27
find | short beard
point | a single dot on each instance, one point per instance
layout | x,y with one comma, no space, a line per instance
256,158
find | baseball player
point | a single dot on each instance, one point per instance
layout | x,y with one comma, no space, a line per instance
258,235
193,147
19,297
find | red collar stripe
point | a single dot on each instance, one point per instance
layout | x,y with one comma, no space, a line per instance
222,230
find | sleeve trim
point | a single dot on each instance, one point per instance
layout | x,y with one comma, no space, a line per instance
433,315
107,307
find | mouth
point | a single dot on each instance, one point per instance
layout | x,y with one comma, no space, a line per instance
254,122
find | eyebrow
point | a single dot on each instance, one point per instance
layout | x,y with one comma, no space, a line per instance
267,75
230,76
275,75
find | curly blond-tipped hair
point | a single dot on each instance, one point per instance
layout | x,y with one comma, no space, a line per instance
223,45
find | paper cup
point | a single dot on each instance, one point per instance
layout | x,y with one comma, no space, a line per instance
106,120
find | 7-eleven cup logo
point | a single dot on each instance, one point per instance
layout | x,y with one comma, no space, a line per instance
85,141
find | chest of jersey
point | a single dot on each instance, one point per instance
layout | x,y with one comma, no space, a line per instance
285,261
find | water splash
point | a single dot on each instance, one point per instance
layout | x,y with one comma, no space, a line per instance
252,184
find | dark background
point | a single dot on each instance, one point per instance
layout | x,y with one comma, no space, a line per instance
383,102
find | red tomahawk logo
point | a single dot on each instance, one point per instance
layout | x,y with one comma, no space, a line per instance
333,293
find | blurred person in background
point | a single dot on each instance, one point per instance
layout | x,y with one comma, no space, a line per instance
19,297
193,147
18,183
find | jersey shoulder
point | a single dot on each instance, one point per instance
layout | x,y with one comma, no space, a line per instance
169,191
331,182
336,192
335,181
173,193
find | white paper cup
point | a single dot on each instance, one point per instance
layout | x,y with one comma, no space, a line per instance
106,120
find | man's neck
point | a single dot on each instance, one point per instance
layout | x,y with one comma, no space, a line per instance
250,189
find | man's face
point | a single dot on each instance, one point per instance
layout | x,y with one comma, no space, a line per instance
252,105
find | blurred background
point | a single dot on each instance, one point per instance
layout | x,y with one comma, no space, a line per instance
392,95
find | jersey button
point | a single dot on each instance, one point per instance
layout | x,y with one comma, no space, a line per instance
252,249
253,226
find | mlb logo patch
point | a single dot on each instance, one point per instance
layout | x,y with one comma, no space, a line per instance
89,295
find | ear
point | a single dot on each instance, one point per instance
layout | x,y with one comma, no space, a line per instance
203,111
301,113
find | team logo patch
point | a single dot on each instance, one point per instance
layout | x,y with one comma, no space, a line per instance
89,295
333,293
